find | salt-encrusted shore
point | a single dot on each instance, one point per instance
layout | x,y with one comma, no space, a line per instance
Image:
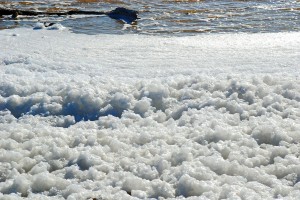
135,116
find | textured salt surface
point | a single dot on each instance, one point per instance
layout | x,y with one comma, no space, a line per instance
124,117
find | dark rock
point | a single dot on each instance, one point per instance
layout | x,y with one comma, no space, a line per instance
48,24
124,14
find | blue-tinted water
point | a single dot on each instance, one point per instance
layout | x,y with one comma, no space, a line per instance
180,17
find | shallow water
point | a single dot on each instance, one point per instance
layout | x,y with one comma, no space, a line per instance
180,17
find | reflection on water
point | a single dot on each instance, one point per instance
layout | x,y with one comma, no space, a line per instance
11,25
181,17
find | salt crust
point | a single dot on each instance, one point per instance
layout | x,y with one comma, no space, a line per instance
80,119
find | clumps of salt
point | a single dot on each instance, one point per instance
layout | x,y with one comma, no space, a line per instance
189,186
157,93
45,181
159,140
84,162
39,25
142,106
119,103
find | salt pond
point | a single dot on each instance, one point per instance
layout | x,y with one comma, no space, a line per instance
135,116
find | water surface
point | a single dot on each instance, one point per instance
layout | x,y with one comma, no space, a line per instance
179,17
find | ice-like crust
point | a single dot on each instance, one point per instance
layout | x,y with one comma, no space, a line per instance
83,117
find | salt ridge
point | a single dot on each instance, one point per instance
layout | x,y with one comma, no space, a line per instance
133,116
